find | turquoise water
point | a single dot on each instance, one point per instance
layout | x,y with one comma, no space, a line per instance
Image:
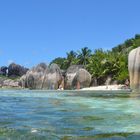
45,115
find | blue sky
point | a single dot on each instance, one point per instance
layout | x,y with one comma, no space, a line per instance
34,31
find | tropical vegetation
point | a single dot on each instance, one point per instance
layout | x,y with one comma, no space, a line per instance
102,63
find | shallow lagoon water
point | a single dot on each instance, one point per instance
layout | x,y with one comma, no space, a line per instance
52,115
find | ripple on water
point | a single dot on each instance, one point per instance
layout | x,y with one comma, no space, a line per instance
41,115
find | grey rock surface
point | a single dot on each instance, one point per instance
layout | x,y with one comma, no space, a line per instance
70,74
134,68
42,77
83,78
15,70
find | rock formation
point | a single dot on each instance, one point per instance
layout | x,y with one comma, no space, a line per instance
15,70
52,78
9,83
2,79
82,79
77,77
134,68
70,74
3,70
42,77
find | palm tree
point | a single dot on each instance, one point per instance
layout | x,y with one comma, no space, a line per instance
96,63
71,58
84,55
60,61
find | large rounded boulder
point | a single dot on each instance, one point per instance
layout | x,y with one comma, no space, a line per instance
53,77
3,70
42,77
15,70
22,81
70,75
34,80
34,77
134,68
82,79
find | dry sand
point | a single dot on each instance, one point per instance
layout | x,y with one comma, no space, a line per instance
107,87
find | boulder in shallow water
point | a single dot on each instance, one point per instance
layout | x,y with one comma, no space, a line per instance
83,78
70,74
134,68
52,77
42,77
2,79
10,83
33,79
77,77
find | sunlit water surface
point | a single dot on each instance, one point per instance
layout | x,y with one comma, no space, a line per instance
41,115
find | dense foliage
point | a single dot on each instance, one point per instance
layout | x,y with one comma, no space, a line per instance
102,64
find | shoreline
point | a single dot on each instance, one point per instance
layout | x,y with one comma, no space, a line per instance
107,87
93,88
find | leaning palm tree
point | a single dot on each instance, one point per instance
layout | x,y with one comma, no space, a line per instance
84,55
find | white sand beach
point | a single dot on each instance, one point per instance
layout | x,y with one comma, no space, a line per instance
107,87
